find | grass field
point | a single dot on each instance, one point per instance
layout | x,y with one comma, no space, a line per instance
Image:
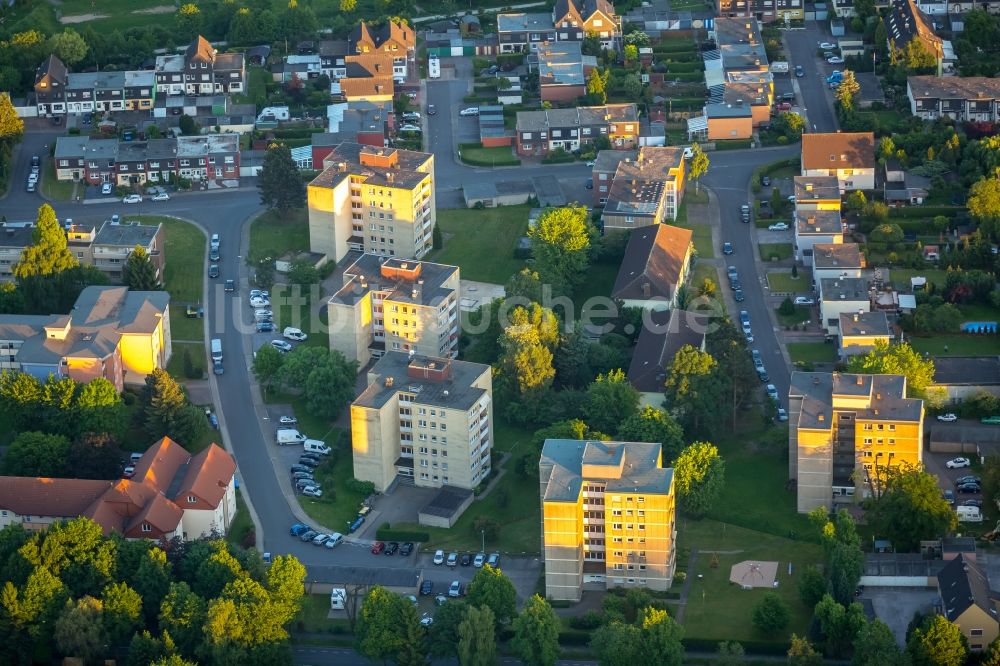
242,522
513,504
598,285
956,345
109,15
784,283
900,277
477,155
702,271
802,313
482,242
812,352
702,239
184,274
57,190
198,357
775,251
273,234
312,617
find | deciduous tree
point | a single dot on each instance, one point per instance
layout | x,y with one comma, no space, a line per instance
847,91
79,631
661,639
122,613
560,243
698,165
48,253
910,508
875,645
489,587
693,391
802,653
984,200
189,21
771,614
536,633
699,476
611,399
377,635
896,359
596,85
618,644
812,586
839,626
139,273
11,125
280,183
938,642
654,425
267,364
69,46
476,637
442,636
37,454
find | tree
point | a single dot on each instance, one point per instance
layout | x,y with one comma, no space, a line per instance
937,642
476,638
144,649
787,307
917,57
189,21
11,125
442,637
48,253
122,613
847,91
99,409
94,455
730,654
536,633
839,625
139,273
654,425
771,614
164,399
875,645
348,6
413,651
881,37
596,84
888,233
525,286
560,243
631,53
491,588
188,125
526,358
844,558
79,631
984,200
699,476
812,586
857,201
267,363
697,166
910,508
661,640
802,653
611,399
37,454
618,644
183,614
377,636
632,85
280,183
693,390
303,273
896,359
69,46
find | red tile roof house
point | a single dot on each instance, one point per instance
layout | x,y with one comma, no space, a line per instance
172,494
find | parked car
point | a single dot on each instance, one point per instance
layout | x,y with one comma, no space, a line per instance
426,588
312,491
835,60
257,302
782,414
738,296
281,345
308,535
955,463
727,248
772,392
265,326
230,286
129,472
321,539
471,111
308,462
294,334
968,488
302,484
431,110
479,560
300,468
827,46
392,548
778,226
804,300
132,199
968,478
465,560
455,589
493,560
106,188
452,559
406,549
991,420
409,128
973,502
288,420
213,271
162,196
439,557
299,476
298,529
378,547
947,418
214,255
765,181
799,72
949,496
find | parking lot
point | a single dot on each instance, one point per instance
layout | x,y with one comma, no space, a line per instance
896,606
937,464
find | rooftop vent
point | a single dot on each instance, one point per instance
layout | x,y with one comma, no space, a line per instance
389,381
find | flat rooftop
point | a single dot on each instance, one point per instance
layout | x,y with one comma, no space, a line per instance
844,289
391,277
346,160
393,372
638,462
837,255
884,393
816,187
864,323
824,222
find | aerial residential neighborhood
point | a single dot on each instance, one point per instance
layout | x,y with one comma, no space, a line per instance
572,332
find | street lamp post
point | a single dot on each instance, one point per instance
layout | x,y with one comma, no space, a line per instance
483,532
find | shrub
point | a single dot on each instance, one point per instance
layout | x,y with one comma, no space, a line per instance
361,487
589,620
787,307
386,533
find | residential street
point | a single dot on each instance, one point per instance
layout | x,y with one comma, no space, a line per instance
814,97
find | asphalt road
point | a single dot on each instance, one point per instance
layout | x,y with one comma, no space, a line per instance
814,96
321,656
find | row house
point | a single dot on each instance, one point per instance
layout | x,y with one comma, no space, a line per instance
762,10
539,132
570,21
97,161
302,67
200,70
522,32
395,37
961,99
368,77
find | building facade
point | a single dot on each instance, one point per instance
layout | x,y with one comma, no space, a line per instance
375,200
200,70
608,517
845,430
428,421
646,189
816,226
570,21
540,132
836,261
395,305
850,156
972,99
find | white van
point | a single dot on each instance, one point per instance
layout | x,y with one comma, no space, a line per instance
216,349
969,514
215,241
434,68
315,446
286,436
338,598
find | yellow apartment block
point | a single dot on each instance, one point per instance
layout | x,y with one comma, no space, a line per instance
395,305
426,420
608,517
376,200
843,429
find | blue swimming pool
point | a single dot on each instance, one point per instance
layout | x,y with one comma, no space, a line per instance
979,327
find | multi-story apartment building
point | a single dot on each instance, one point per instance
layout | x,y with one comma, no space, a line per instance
106,248
95,161
739,44
646,190
539,132
200,70
656,263
395,305
173,494
111,332
850,156
845,430
570,21
762,10
816,226
376,200
608,517
970,99
816,193
429,420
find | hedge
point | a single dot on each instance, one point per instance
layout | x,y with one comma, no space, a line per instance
574,636
751,647
386,533
732,144
925,211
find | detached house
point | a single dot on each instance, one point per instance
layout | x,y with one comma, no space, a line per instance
656,263
575,19
850,156
836,260
51,78
540,132
968,602
646,189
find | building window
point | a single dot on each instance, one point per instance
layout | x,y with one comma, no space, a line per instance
192,499
976,632
146,527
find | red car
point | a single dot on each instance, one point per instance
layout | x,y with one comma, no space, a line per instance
377,547
782,106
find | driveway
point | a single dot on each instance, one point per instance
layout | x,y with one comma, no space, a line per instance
896,606
814,97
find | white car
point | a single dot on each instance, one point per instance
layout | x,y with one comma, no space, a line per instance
479,561
591,163
835,60
778,226
312,491
782,414
439,557
256,293
804,300
826,46
955,463
263,313
281,345
409,128
132,199
471,111
288,420
162,196
772,392
294,334
688,153
259,302
427,620
947,418
106,188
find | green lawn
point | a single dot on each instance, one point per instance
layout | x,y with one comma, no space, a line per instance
802,313
598,285
702,239
312,617
57,190
956,345
775,251
482,242
702,271
901,277
272,234
113,15
784,283
198,357
514,504
812,352
184,274
256,93
476,155
979,312
242,524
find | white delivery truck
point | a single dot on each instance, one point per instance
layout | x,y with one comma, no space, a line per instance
315,446
286,436
969,514
434,67
216,349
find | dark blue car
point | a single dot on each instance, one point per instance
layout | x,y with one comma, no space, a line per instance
298,529
358,522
